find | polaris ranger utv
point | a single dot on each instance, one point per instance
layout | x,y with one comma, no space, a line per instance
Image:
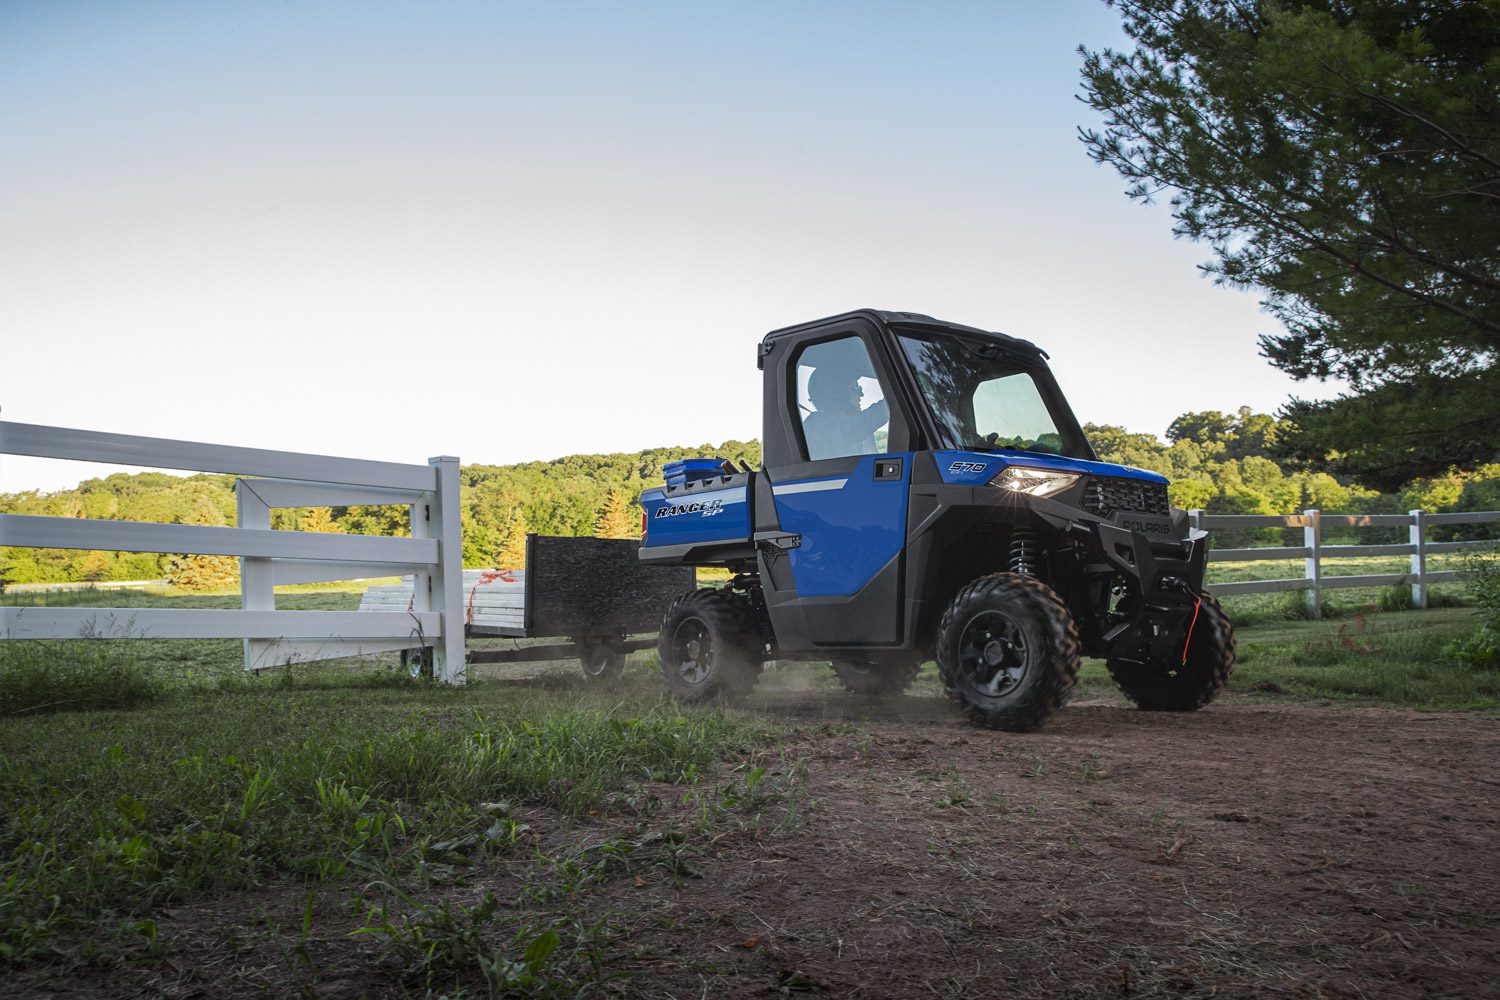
928,493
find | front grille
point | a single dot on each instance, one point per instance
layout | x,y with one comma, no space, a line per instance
1108,495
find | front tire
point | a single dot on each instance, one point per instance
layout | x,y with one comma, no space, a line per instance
880,678
1007,650
709,646
1191,684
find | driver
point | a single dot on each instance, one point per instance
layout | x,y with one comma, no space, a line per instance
838,426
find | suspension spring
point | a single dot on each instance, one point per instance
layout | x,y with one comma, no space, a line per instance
1023,552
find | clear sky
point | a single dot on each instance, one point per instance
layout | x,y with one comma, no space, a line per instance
516,231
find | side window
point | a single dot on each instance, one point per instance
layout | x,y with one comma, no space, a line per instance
839,401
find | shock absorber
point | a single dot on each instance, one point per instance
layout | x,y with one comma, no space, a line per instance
1023,551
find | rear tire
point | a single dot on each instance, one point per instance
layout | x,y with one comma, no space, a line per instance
876,677
1007,650
709,646
1192,684
601,659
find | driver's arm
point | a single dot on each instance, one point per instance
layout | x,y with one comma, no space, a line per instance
873,418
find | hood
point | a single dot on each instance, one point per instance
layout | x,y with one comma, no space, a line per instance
971,467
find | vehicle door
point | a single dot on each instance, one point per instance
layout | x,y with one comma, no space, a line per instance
839,489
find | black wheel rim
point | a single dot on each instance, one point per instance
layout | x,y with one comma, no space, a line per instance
992,654
692,650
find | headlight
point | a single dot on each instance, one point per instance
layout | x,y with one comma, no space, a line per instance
1034,482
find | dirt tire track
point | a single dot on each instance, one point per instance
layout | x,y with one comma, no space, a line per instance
1240,851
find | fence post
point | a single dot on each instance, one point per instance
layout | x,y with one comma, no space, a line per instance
257,584
1195,519
1419,558
1312,540
449,666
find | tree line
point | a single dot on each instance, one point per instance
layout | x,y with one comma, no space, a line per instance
1219,462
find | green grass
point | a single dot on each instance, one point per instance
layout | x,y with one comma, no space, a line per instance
143,772
108,816
1396,659
47,676
1391,659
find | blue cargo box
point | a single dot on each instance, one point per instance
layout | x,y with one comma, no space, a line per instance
691,470
696,516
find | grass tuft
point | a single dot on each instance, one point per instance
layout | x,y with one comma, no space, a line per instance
41,677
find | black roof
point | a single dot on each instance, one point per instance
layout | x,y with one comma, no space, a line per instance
909,320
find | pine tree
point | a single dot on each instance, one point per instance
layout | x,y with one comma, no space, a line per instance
203,572
615,520
512,554
318,519
1341,159
95,568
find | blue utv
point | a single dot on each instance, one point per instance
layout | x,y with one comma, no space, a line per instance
927,493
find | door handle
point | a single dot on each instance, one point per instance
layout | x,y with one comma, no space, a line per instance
887,469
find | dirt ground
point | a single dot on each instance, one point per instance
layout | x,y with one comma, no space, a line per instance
1247,850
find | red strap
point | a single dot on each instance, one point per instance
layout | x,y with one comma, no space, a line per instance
503,575
1196,605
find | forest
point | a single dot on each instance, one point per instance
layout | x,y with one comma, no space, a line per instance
1219,462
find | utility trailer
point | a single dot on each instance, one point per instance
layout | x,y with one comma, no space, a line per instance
593,593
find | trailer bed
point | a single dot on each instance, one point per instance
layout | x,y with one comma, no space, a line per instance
572,587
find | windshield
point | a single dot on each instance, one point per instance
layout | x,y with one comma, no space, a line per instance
984,398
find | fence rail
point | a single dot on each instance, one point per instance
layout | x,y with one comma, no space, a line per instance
268,558
1314,553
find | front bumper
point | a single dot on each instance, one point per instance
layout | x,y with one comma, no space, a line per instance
1163,567
1165,573
1169,563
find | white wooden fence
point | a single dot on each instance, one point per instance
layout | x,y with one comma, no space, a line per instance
268,558
1313,552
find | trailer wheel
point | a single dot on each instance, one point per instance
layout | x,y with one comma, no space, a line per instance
601,659
878,676
1007,650
417,663
709,646
1192,683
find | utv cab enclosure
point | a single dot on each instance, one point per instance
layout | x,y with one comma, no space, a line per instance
928,493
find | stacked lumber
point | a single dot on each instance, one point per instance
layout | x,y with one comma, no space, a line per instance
497,600
492,598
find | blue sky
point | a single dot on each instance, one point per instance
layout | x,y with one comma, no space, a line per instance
511,232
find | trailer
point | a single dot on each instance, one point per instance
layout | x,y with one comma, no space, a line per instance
593,595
